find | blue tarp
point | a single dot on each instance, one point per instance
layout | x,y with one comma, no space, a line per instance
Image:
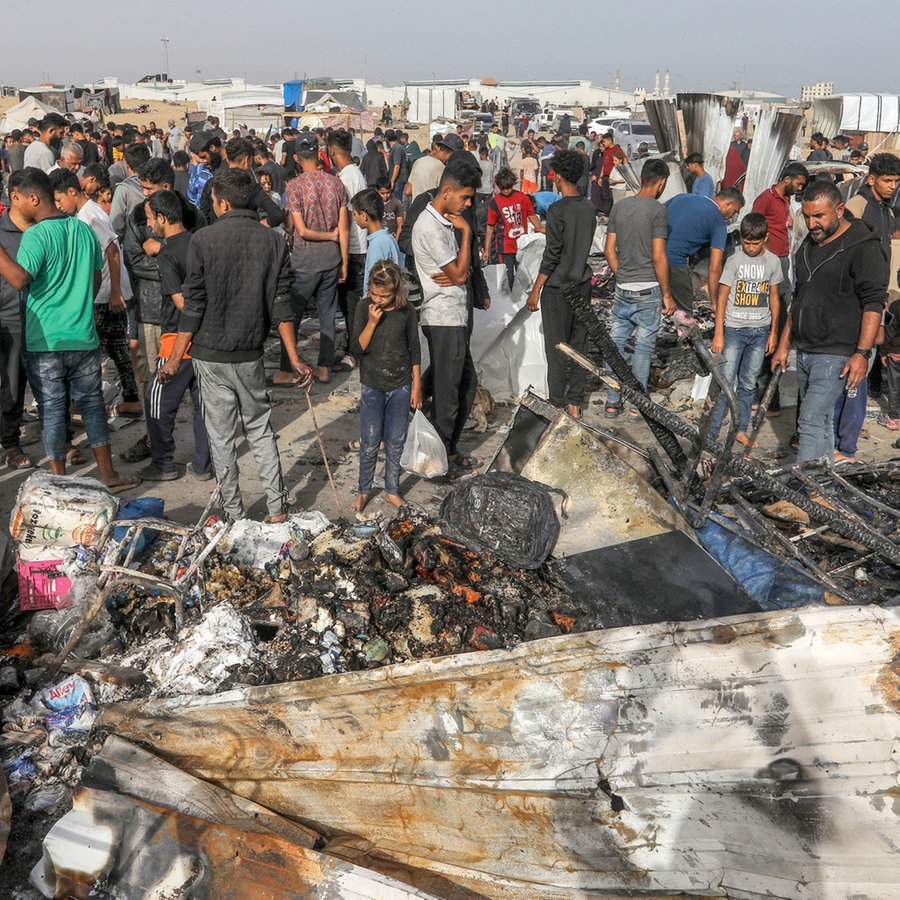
772,582
293,96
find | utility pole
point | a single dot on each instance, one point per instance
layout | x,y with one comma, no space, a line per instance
165,43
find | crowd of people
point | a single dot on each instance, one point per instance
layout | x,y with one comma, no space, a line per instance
175,251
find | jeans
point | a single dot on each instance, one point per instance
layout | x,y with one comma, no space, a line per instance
234,397
54,377
324,287
638,313
819,384
742,359
383,417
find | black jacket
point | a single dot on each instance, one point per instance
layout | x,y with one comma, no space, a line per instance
238,282
833,293
137,231
877,214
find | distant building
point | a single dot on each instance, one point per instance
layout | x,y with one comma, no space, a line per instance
810,92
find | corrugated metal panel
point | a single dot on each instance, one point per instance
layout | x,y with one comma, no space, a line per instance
746,757
708,128
663,119
773,138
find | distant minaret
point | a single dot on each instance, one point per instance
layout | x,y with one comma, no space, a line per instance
666,84
618,79
656,85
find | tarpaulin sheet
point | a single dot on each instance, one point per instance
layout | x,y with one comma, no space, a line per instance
770,581
507,343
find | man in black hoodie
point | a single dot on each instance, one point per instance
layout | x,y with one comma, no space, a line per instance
834,318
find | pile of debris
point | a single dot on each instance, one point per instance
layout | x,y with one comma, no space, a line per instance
125,605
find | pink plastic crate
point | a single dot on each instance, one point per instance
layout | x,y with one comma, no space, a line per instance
42,584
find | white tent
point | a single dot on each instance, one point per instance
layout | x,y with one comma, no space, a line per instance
865,113
18,116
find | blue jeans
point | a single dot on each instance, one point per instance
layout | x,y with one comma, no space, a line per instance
819,384
638,313
55,377
383,417
742,361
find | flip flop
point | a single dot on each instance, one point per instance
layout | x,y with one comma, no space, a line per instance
469,463
125,483
74,457
352,445
270,382
16,458
612,412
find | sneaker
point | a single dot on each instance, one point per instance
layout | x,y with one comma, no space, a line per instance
138,451
151,473
888,422
198,476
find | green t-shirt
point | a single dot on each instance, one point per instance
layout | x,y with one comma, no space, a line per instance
61,255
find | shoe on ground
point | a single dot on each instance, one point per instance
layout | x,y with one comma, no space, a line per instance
198,476
151,473
138,451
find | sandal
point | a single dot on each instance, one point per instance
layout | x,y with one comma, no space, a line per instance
470,463
74,457
352,446
343,365
16,458
612,412
125,483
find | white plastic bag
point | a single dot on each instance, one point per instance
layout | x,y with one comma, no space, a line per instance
424,453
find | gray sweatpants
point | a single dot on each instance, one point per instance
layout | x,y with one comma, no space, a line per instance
234,395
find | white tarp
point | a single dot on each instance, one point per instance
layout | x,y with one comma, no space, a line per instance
507,342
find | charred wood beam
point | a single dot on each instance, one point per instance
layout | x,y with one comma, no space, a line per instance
608,350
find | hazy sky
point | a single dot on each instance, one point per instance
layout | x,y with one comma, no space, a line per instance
704,45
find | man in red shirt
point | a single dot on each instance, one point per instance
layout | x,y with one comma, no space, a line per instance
610,150
775,204
509,213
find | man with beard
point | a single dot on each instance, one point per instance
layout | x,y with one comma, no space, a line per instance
834,319
42,153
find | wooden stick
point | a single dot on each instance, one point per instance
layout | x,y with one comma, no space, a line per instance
312,413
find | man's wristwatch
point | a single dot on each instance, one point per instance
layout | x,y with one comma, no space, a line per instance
865,353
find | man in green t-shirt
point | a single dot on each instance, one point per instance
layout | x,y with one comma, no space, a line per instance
60,262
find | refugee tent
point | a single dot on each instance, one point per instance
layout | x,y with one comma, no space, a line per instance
18,115
59,97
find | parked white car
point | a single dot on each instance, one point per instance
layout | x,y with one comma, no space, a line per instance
629,134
